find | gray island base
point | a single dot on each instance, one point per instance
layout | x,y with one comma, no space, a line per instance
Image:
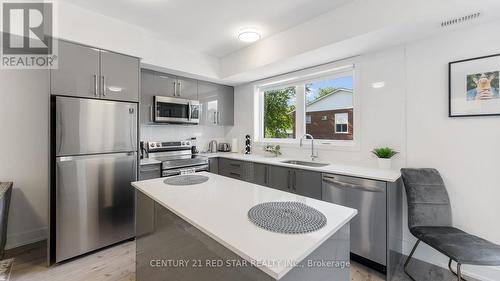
169,248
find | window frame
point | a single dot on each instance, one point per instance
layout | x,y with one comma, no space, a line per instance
299,79
335,121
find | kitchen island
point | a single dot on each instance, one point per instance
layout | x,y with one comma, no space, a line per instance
202,232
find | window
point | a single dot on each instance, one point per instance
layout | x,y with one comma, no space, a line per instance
279,113
342,123
319,105
325,99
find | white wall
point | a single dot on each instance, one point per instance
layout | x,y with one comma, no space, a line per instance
204,134
24,122
411,114
465,150
382,123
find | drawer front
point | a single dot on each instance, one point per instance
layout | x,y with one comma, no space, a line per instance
240,170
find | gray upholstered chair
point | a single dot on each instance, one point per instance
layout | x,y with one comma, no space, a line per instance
429,220
5,194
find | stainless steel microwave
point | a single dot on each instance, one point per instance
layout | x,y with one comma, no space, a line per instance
176,110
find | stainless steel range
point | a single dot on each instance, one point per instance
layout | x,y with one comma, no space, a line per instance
176,157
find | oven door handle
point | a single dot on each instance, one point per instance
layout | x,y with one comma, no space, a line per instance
190,109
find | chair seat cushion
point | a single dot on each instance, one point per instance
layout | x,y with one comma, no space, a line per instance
460,246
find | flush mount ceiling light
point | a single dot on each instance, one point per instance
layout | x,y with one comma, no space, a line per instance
248,35
378,85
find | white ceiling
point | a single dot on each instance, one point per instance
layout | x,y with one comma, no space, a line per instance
211,26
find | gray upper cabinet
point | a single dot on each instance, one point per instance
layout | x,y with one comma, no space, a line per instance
148,92
120,76
77,73
89,72
187,88
172,86
164,85
217,103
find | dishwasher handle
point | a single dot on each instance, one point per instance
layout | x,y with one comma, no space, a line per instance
346,185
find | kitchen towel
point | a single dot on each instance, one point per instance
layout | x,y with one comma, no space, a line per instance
234,145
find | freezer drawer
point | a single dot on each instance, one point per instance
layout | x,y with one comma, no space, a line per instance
94,202
87,126
369,227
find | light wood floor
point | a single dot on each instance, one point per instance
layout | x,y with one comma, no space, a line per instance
118,264
113,264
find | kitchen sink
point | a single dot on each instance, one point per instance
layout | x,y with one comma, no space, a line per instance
305,163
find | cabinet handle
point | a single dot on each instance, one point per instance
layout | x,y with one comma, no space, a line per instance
215,117
294,181
288,180
266,174
104,85
218,117
96,85
179,89
235,164
175,89
235,174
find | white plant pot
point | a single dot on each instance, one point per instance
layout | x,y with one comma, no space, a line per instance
385,163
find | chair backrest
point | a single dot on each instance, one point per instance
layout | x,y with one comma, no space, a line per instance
428,201
5,195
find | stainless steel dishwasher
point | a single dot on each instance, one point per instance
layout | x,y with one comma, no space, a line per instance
369,227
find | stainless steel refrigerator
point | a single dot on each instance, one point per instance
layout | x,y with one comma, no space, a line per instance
94,159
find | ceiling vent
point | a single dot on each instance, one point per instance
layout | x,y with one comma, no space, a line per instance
460,19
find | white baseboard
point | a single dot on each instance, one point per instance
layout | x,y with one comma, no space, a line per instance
20,239
429,255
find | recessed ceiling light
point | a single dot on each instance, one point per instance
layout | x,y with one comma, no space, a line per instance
378,85
248,35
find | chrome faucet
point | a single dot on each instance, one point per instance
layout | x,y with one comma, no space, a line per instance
314,156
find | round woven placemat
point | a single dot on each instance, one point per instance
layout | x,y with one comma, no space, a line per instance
287,217
186,180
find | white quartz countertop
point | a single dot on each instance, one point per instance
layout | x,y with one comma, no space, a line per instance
334,168
219,209
149,161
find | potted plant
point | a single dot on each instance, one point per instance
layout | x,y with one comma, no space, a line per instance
384,155
275,150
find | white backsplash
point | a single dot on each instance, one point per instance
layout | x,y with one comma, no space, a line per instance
204,134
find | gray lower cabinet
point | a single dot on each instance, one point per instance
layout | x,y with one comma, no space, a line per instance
213,165
77,73
307,183
302,182
84,71
261,174
147,172
280,178
236,169
119,76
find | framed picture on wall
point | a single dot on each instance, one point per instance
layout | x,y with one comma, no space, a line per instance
474,87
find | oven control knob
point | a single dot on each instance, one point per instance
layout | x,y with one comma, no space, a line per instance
188,143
